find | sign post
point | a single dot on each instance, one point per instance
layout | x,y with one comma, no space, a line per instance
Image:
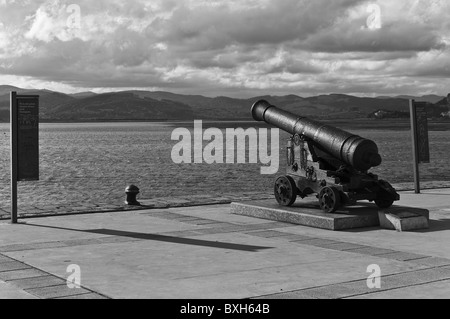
13,134
24,143
421,145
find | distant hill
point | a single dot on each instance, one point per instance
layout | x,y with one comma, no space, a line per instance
48,100
162,106
5,89
120,106
443,102
426,98
186,99
82,95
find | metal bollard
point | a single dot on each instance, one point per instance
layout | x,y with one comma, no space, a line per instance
132,191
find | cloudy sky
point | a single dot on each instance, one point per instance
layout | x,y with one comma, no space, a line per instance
238,48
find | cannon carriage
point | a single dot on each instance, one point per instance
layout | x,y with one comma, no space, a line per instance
327,162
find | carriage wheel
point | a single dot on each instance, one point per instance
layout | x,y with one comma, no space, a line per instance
329,199
285,191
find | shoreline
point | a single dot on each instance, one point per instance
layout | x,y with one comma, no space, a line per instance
77,208
434,125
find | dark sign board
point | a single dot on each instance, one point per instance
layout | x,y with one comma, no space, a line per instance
423,146
27,138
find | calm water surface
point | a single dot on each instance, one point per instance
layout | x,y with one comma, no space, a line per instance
95,161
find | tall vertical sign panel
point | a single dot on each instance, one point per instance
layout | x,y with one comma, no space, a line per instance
420,139
27,138
423,144
24,111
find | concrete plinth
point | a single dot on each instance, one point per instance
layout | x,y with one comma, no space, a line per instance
307,212
404,219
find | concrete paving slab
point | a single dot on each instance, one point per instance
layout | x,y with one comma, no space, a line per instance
204,222
37,282
322,243
8,248
185,219
344,246
296,295
8,291
437,290
315,242
294,237
322,274
239,228
12,265
115,239
22,247
402,256
410,279
89,296
171,216
372,251
4,259
360,288
56,292
82,242
47,245
337,291
432,262
216,225
21,274
427,243
268,234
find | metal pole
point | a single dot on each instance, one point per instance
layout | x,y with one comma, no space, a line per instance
14,149
415,146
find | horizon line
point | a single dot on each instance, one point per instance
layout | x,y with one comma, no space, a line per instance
121,90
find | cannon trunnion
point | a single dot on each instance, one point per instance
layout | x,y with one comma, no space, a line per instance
326,161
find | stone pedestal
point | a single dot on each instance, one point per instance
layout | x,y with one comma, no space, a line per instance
404,218
307,212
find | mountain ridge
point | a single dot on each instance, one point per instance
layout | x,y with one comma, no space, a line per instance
167,106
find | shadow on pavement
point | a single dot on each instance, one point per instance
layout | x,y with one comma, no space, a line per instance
162,238
435,226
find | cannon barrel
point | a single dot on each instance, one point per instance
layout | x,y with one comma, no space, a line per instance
362,154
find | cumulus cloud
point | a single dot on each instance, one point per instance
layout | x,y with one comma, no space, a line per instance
238,47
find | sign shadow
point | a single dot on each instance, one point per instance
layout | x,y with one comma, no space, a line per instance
163,238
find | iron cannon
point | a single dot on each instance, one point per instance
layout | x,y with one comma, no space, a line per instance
326,161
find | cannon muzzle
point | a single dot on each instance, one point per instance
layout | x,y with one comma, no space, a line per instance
361,154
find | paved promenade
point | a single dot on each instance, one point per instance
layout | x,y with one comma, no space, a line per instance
53,204
205,252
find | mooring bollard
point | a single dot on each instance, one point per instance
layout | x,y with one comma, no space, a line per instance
132,191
